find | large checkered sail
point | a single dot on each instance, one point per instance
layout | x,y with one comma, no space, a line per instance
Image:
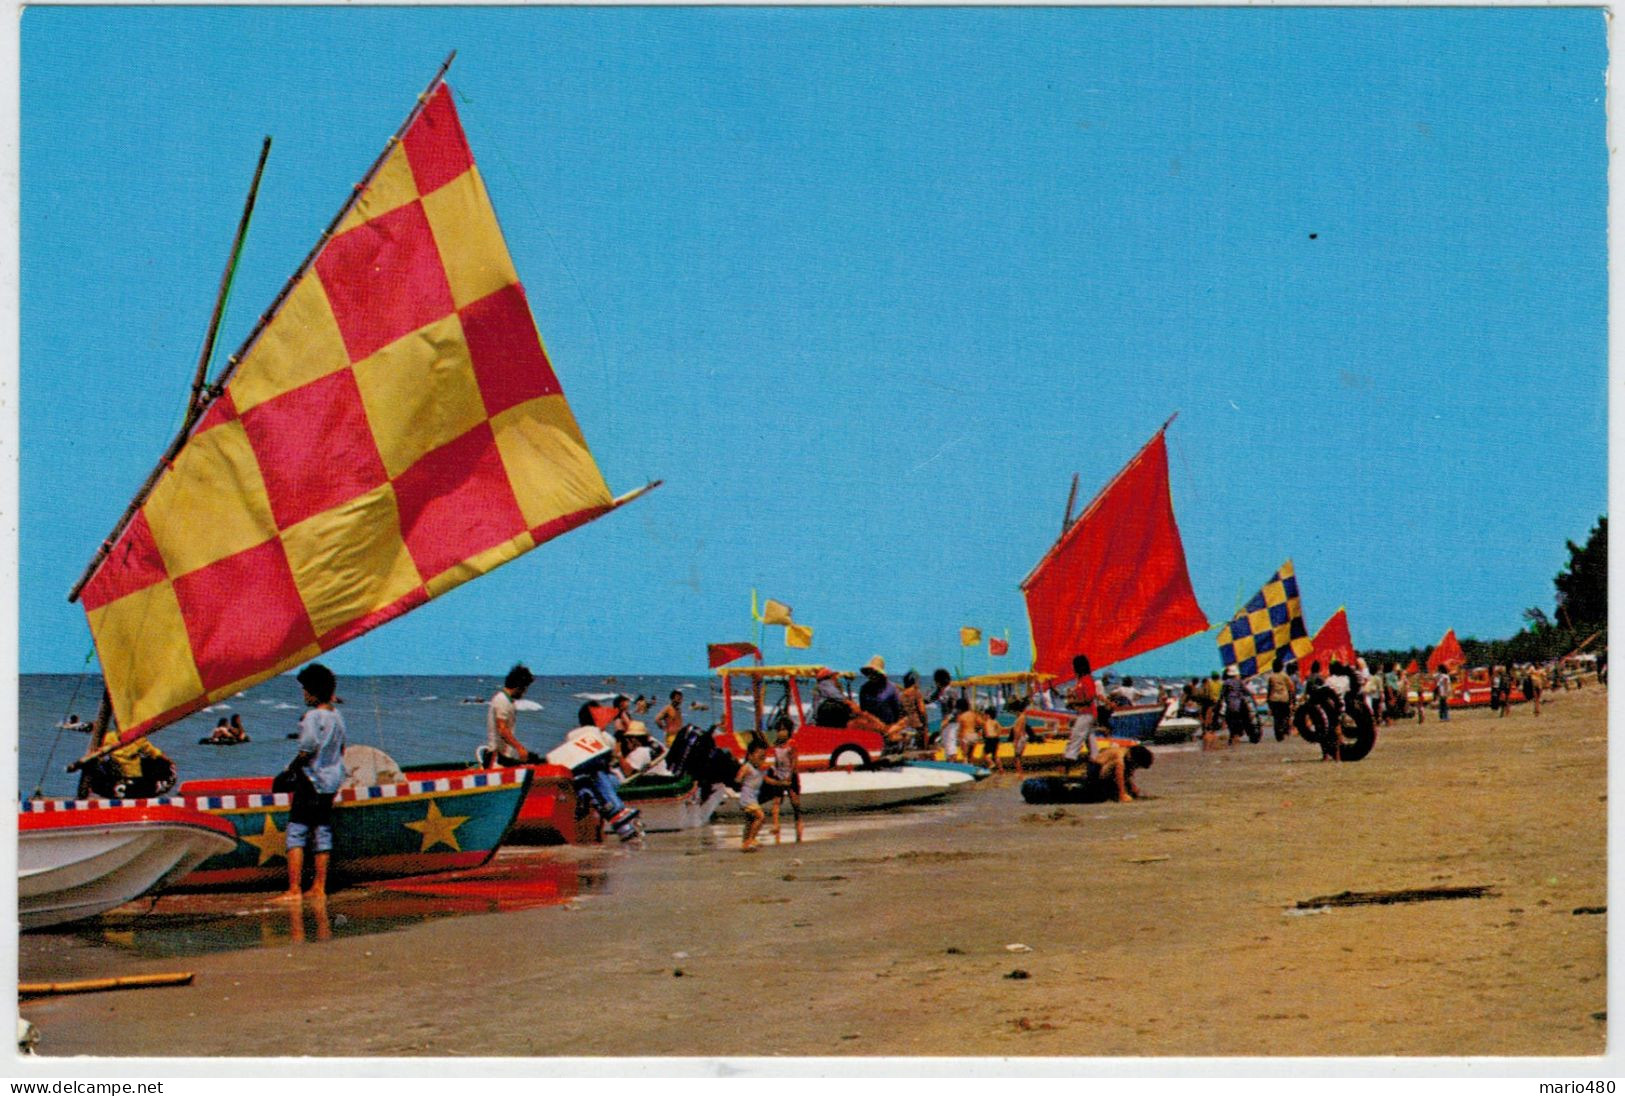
393,431
1115,585
1271,622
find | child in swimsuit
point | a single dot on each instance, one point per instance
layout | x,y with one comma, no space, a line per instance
783,782
751,775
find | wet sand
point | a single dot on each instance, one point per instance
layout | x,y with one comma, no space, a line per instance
1162,927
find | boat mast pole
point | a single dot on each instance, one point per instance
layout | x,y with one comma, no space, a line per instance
1071,497
212,392
195,404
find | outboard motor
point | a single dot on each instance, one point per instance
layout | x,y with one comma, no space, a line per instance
695,753
588,753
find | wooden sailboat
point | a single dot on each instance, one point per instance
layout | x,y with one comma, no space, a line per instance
391,429
1114,584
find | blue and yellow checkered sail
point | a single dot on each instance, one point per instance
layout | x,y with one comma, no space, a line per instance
1271,621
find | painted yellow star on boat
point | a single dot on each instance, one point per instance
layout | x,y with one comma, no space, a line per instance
270,841
438,829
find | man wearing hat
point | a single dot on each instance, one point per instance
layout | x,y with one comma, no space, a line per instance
1236,703
877,695
831,706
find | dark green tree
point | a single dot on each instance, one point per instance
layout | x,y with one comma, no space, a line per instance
1582,585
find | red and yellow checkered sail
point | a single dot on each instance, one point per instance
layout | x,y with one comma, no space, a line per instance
395,430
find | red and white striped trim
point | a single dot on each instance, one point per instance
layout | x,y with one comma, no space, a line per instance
470,781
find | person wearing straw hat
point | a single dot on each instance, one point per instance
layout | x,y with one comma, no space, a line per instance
635,750
877,695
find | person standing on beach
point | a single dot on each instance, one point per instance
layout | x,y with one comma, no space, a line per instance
1280,699
670,718
1211,688
783,781
967,730
502,749
1237,704
1534,686
1419,682
991,731
1083,701
914,714
1018,731
945,696
1441,693
319,770
751,775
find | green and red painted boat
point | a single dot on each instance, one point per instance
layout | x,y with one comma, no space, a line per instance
381,831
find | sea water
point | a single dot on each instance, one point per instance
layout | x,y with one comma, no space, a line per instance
416,720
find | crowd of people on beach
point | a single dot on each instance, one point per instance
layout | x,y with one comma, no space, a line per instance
767,780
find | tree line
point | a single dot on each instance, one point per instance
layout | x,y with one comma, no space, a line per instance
1581,611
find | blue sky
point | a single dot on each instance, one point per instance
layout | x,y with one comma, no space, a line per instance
866,287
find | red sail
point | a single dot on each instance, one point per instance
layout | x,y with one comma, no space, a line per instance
1447,654
1115,584
1332,641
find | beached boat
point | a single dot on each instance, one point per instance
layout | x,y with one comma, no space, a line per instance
390,429
833,790
380,831
1112,586
548,815
818,747
668,803
1046,727
79,858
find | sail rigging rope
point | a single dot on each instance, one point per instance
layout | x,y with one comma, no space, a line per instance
61,725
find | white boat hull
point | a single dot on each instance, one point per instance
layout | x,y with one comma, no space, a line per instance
69,872
862,790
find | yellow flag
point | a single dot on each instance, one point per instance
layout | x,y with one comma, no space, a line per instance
796,635
970,637
775,612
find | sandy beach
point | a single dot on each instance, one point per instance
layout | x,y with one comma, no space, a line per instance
1164,927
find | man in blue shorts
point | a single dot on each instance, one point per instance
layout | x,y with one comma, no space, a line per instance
319,770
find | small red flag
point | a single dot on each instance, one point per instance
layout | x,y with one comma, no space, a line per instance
720,654
1332,641
997,647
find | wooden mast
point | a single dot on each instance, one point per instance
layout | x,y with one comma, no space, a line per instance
194,408
1071,497
225,283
